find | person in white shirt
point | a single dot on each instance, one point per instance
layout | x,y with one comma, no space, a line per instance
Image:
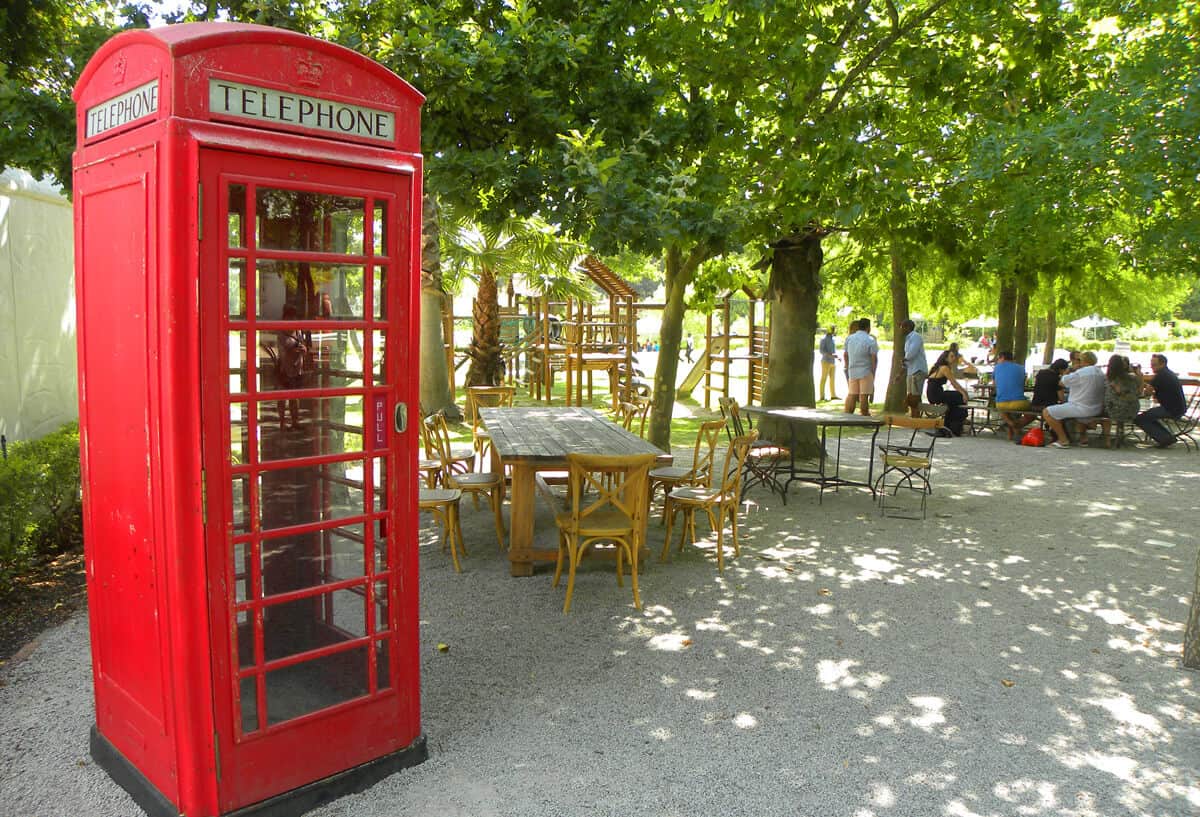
862,357
1085,398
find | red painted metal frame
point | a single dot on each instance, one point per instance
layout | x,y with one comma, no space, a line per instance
160,563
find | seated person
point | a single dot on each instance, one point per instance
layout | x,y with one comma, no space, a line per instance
1168,392
1047,386
1085,398
954,401
1121,389
962,368
1009,377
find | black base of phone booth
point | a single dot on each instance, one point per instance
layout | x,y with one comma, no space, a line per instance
289,804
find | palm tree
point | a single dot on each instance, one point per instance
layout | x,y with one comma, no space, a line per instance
527,248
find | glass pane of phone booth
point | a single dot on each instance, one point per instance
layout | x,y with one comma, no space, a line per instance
303,287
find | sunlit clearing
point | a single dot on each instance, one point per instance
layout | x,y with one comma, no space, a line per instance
668,642
821,609
744,720
660,733
874,563
1032,794
932,714
1122,709
882,795
979,493
835,673
1118,766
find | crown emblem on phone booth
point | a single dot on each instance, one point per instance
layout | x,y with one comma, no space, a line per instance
119,68
309,72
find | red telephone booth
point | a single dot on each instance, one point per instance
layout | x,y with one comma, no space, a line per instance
247,224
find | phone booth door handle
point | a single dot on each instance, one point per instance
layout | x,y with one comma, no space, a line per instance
401,417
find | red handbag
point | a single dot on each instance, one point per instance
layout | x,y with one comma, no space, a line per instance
1034,437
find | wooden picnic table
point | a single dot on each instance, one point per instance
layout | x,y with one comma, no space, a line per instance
529,440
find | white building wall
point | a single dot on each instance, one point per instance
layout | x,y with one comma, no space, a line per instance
38,391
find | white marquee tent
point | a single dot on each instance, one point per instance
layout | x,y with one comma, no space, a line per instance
37,308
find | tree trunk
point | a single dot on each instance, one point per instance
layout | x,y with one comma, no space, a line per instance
795,291
487,363
680,271
897,387
434,377
1020,346
1051,335
1005,310
1191,633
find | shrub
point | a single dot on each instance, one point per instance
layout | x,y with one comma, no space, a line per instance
40,509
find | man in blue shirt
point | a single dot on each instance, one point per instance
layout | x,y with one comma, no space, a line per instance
861,353
828,351
1009,377
916,367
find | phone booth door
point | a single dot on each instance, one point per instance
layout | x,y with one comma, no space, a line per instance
302,274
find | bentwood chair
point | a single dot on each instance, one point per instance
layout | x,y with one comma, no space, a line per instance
485,397
765,457
631,416
717,501
469,482
443,505
704,453
906,455
606,502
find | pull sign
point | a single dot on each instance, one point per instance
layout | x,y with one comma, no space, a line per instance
380,421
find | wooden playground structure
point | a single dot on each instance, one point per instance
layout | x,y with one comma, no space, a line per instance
542,338
713,370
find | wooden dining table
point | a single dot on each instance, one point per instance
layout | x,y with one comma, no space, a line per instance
529,440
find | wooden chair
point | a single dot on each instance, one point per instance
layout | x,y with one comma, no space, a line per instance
606,502
631,416
461,458
698,473
469,482
907,454
765,457
485,397
429,467
719,501
443,504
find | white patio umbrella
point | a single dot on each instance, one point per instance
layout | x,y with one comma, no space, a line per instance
981,322
1093,322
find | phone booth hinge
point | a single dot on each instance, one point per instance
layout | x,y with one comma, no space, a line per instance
203,497
200,211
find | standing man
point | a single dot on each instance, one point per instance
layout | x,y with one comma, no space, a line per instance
828,350
1085,398
862,357
916,367
1168,391
689,348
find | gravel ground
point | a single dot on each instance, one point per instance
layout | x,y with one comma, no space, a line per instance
1015,654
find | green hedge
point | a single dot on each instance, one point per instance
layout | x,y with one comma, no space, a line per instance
1143,346
40,510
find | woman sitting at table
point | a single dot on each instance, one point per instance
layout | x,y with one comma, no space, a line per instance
1047,386
954,400
962,368
1121,389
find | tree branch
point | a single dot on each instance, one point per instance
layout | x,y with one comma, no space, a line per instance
874,54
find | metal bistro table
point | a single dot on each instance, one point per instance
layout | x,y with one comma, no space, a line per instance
538,439
795,416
